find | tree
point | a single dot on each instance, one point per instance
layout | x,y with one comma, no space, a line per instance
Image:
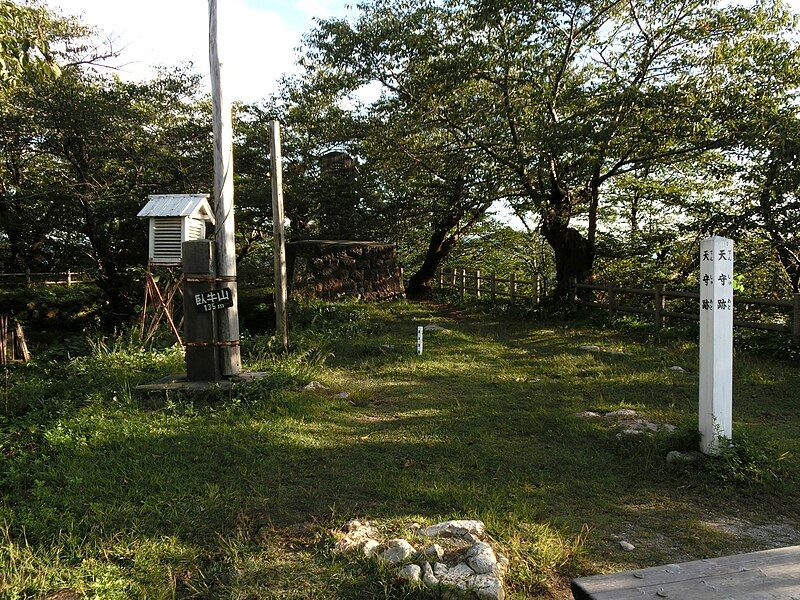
558,98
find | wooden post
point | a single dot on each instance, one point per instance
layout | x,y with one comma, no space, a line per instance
796,319
493,286
199,328
420,329
659,304
281,294
716,342
513,286
3,330
462,282
441,278
477,284
69,278
228,320
453,279
612,301
20,343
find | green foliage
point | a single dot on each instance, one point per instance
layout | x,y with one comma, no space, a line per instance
748,461
68,306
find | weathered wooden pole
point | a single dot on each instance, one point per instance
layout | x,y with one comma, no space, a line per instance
199,325
659,305
716,342
228,320
281,316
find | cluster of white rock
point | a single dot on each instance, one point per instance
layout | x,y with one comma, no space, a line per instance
465,567
629,421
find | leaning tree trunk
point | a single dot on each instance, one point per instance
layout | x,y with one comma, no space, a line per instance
421,283
572,252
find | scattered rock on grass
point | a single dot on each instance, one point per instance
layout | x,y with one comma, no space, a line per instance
342,395
457,529
676,457
358,535
428,576
677,369
590,348
476,571
434,552
481,558
588,414
314,385
622,412
627,546
397,551
370,548
410,574
433,328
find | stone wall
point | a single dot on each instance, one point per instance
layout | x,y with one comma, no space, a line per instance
331,270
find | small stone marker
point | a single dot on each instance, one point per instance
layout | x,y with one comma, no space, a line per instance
716,342
419,340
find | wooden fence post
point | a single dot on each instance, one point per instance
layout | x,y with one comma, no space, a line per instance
659,305
612,301
453,279
493,286
477,284
462,283
513,286
441,278
796,319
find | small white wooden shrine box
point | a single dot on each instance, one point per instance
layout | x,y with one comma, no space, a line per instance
174,219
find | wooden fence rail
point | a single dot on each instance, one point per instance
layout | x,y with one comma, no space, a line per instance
489,286
28,278
659,311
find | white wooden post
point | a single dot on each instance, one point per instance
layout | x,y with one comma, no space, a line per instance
716,342
281,317
230,354
419,341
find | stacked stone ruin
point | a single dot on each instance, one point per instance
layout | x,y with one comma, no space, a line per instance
332,270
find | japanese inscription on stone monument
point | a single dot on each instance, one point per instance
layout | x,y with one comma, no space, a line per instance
716,342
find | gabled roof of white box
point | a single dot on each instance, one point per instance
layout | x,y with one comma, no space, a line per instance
178,205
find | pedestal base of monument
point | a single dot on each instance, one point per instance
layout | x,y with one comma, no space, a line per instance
181,383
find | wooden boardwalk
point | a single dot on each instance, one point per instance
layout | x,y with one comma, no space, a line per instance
766,575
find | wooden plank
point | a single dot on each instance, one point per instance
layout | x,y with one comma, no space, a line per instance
767,575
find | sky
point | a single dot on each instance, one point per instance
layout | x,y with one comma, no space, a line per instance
258,38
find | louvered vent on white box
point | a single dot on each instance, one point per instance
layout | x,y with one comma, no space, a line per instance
167,240
197,230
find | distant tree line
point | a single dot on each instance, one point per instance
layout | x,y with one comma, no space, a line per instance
617,133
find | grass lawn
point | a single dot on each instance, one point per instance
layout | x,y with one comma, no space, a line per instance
110,494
